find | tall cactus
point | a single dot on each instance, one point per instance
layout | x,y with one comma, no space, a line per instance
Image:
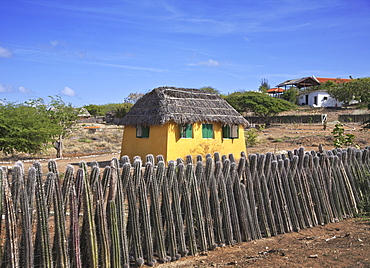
74,233
183,181
244,199
43,254
176,202
60,248
123,185
291,175
115,260
275,201
229,183
197,208
100,218
266,194
250,200
260,202
66,186
133,216
155,211
10,225
215,202
145,215
287,223
204,198
89,231
224,204
168,217
17,177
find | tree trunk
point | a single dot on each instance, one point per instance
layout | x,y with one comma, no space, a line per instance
58,145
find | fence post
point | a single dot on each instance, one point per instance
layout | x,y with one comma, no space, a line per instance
204,190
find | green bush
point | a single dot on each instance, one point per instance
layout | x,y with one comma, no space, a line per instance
341,139
251,137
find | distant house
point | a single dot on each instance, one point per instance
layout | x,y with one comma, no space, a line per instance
83,113
175,122
314,98
318,98
275,92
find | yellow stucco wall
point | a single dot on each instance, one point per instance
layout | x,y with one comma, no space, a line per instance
166,140
156,144
180,147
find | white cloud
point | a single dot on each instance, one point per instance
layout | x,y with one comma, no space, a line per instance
68,92
5,53
209,63
24,90
129,67
6,88
54,43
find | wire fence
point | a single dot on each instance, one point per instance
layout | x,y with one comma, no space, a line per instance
133,214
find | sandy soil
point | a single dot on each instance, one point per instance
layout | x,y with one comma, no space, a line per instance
342,244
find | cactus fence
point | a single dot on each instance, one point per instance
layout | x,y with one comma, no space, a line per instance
134,214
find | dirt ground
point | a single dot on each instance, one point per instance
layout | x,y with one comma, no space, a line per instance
278,138
341,244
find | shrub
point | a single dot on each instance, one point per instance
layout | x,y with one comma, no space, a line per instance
251,137
341,139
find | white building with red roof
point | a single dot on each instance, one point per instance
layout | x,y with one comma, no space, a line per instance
314,98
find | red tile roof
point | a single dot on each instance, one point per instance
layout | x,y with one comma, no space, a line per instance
336,80
275,90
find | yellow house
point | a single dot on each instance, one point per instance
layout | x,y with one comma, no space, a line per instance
175,122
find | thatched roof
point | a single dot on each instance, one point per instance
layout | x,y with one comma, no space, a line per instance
183,106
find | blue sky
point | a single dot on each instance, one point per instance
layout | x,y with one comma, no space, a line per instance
97,52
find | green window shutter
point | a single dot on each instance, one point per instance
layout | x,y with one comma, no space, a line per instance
145,132
207,131
186,131
225,132
230,132
189,131
142,132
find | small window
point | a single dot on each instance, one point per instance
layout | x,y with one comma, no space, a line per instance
186,131
230,132
325,98
142,132
207,131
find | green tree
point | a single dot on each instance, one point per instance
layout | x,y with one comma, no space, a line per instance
122,109
291,95
26,128
211,89
259,103
357,89
95,110
59,113
66,116
264,85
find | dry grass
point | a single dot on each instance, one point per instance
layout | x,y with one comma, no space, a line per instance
106,139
